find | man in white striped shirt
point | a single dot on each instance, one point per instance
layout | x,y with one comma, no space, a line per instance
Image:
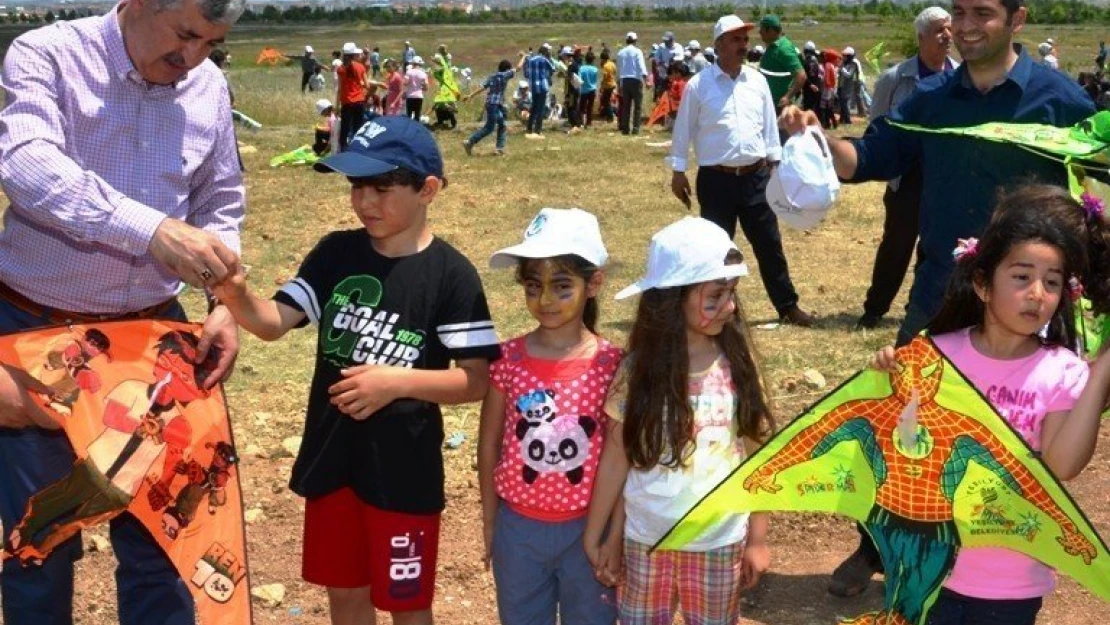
728,113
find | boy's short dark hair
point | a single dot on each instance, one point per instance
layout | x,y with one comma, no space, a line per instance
590,58
399,177
605,55
1012,6
504,66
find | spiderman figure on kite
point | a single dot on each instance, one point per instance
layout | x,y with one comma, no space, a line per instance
919,452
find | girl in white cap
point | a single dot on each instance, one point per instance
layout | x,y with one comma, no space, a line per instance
688,405
543,430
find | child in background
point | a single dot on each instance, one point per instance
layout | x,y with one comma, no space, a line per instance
608,87
826,108
522,100
326,139
394,95
543,430
394,305
588,74
687,408
416,83
494,86
1008,323
316,82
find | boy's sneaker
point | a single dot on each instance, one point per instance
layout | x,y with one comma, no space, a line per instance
499,152
469,148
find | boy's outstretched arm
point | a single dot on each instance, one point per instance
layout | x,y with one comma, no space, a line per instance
366,389
267,319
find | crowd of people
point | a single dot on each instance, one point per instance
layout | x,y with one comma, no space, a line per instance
588,452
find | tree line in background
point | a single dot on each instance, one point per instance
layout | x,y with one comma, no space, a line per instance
1040,12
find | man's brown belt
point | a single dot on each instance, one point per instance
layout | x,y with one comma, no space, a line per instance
739,170
56,316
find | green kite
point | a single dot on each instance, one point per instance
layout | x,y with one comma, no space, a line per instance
924,462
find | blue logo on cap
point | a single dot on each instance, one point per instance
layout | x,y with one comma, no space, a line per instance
385,144
535,227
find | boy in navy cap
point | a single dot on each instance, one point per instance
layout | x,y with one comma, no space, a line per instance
393,305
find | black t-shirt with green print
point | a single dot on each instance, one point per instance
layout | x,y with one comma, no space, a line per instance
419,311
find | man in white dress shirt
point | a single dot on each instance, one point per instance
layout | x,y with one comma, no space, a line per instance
728,114
633,74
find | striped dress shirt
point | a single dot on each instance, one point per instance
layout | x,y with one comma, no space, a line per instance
93,158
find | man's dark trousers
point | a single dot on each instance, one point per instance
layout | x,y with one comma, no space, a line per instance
632,101
726,198
892,259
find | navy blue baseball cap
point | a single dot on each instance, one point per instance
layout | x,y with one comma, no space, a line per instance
384,144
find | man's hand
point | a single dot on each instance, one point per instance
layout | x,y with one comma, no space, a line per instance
366,389
219,340
680,187
194,255
17,408
794,120
785,101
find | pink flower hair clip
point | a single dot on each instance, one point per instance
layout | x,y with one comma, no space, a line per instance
965,249
1093,206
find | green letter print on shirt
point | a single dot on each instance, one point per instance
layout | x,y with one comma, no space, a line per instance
346,299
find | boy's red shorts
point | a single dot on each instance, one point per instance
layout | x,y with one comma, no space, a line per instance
350,544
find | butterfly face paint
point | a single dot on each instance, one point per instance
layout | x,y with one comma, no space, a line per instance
555,296
709,306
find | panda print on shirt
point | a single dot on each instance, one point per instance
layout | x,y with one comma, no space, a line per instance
548,443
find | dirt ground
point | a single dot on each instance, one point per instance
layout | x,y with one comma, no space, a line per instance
806,548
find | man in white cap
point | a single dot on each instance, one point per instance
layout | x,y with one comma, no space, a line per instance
847,78
308,66
697,61
735,157
815,77
407,55
632,72
350,93
662,57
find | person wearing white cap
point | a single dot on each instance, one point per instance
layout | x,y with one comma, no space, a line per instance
815,77
697,61
308,66
734,157
633,73
692,401
326,133
543,429
661,57
350,93
416,82
1047,57
847,80
407,55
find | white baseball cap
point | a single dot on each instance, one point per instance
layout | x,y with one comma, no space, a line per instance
322,105
849,51
1049,40
631,35
804,185
417,60
729,23
694,45
308,50
556,232
351,48
811,46
759,49
689,251
708,51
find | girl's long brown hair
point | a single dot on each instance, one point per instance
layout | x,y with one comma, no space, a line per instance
658,419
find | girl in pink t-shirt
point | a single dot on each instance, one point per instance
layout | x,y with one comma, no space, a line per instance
543,429
1008,324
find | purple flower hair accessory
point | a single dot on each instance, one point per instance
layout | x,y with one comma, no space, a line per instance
1093,206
